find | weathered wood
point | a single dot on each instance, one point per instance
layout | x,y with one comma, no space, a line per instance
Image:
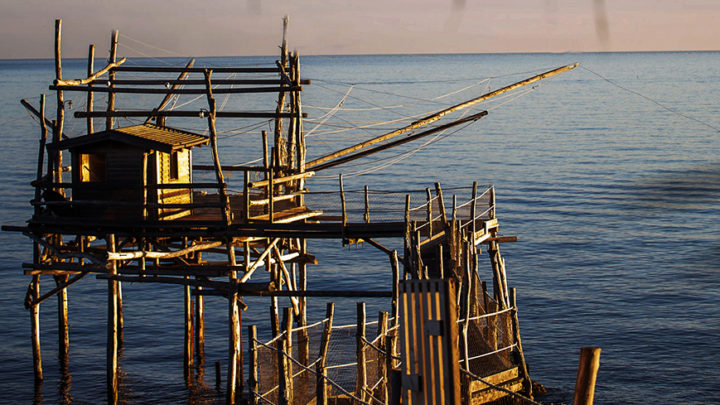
90,95
321,384
34,289
111,76
287,349
41,155
344,155
382,363
181,113
253,377
516,336
69,84
171,69
361,370
281,180
112,329
170,92
200,325
259,261
60,120
111,255
342,201
193,82
63,327
587,375
42,117
436,116
188,336
226,212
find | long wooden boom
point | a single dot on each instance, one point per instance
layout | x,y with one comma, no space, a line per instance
436,116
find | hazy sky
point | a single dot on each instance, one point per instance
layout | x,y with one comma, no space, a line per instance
253,27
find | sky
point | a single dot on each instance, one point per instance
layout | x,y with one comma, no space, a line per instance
323,27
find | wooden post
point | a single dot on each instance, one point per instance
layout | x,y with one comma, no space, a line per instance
111,77
303,339
342,202
35,329
90,95
441,205
222,190
287,349
516,334
112,328
429,212
473,209
120,318
58,128
321,384
361,376
200,326
367,205
266,161
271,194
41,155
232,394
587,375
63,330
394,263
253,377
188,347
382,369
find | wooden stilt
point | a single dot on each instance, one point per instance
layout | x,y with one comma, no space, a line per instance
587,375
382,369
516,335
200,326
232,394
111,77
253,377
63,330
90,95
361,376
120,317
188,347
112,329
35,329
321,385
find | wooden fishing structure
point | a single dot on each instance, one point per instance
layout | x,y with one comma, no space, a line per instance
130,211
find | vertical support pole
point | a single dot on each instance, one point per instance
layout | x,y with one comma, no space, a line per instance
222,190
246,196
200,326
41,155
232,395
63,330
35,329
58,128
120,318
516,334
429,213
145,188
304,341
112,328
407,256
287,349
473,210
111,77
266,160
253,377
382,369
361,377
188,347
587,375
394,263
321,385
271,194
342,202
367,205
441,205
90,95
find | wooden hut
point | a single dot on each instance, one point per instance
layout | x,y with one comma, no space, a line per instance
126,172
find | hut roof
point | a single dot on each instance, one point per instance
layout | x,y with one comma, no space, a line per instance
148,136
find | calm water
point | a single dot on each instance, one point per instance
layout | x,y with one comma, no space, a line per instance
615,200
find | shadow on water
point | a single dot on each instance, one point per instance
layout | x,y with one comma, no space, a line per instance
690,188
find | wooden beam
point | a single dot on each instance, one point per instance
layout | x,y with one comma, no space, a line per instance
179,113
280,180
389,145
81,82
169,69
171,91
436,116
168,97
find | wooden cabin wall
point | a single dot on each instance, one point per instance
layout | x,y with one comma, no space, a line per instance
181,174
122,183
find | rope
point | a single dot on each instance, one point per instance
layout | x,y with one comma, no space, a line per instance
507,391
489,353
659,104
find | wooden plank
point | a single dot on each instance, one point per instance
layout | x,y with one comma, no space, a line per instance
495,379
281,180
489,395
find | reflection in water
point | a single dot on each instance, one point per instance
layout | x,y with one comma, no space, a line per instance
38,398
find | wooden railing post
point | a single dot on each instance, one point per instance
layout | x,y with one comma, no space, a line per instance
361,376
587,375
321,384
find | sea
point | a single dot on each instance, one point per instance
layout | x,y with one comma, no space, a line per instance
608,174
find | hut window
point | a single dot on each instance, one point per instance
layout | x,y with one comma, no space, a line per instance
92,167
174,165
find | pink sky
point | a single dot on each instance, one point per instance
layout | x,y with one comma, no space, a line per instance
253,27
